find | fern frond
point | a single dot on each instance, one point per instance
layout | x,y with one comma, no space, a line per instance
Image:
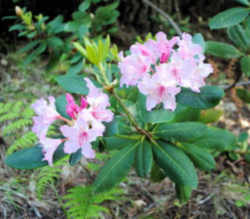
4,108
28,113
12,127
9,116
25,141
48,175
82,203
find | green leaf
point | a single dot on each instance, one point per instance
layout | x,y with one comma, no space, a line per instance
247,157
156,174
73,84
176,164
75,69
84,5
158,116
18,27
118,126
183,192
38,51
198,39
115,169
243,94
182,131
216,139
244,2
200,157
222,50
238,35
119,142
75,157
61,103
32,157
144,159
243,136
29,46
185,113
208,97
55,42
245,65
210,115
228,18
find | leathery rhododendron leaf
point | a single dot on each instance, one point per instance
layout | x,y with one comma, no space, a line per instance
73,84
144,159
115,169
208,97
176,164
33,157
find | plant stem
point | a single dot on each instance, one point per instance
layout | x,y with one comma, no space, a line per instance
104,76
164,14
130,116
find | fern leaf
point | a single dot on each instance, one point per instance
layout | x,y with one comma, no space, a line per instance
9,116
82,203
25,141
14,126
5,107
47,176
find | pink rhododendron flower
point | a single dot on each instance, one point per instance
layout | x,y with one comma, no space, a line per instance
159,68
81,134
47,114
84,128
49,147
72,108
165,46
98,102
161,87
133,68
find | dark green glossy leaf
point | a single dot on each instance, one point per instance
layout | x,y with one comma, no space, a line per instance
144,159
200,157
32,157
61,103
243,94
182,131
216,139
183,192
238,35
156,174
228,18
208,97
176,164
118,126
75,157
115,169
245,65
119,142
222,50
73,84
184,113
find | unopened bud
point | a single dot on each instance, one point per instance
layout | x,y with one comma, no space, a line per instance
18,11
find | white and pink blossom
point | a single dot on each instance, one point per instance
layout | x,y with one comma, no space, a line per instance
84,128
159,68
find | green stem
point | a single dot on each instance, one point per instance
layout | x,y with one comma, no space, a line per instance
103,73
131,117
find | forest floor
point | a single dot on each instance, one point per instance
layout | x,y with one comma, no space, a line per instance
223,193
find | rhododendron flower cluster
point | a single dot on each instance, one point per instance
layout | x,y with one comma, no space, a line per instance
159,68
83,128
